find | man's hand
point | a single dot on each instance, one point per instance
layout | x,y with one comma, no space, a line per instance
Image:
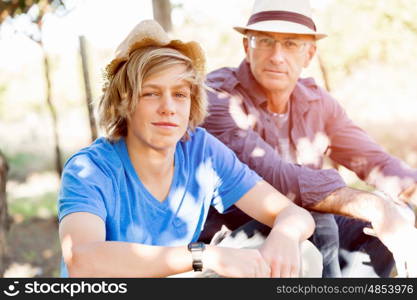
403,248
282,253
409,195
397,232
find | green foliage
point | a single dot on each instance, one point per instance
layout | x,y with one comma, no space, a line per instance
13,8
30,255
368,30
21,159
43,206
21,164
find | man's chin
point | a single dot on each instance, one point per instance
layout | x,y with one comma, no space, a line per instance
275,84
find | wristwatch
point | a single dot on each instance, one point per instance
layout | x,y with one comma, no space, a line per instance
196,250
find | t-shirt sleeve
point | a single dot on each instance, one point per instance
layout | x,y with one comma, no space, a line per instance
233,178
84,188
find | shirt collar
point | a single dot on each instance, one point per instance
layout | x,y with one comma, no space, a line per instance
305,91
252,87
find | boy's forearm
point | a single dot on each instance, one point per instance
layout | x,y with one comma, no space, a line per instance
294,221
122,259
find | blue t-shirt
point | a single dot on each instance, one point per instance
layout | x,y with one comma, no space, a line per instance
101,180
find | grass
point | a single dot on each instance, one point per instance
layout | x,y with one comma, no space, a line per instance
22,164
43,206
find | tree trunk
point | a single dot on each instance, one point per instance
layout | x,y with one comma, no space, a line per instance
324,72
52,110
87,87
4,219
325,76
162,13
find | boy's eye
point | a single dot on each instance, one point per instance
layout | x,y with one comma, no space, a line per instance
149,94
180,95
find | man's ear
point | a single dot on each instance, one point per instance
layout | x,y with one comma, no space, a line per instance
245,42
310,54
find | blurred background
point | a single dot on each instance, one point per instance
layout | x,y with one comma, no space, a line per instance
52,56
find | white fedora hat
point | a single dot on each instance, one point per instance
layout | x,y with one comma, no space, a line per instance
282,16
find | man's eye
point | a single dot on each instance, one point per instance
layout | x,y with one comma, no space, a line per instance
290,44
266,41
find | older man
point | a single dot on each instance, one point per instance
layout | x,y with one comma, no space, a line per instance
282,127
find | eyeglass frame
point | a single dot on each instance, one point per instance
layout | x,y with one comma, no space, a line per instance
252,43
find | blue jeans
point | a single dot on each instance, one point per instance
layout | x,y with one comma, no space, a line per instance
326,239
346,250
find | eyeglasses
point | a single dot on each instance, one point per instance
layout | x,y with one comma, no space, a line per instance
289,45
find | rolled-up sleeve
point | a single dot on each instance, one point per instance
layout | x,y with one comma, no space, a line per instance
356,150
315,185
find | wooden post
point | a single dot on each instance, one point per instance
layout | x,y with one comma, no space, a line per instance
324,73
52,110
4,217
162,13
87,87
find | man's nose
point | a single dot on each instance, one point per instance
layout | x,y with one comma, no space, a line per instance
278,55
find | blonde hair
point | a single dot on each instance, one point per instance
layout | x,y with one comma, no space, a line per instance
121,91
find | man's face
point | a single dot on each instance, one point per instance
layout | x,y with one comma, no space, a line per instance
277,59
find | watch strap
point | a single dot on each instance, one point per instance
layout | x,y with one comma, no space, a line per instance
196,250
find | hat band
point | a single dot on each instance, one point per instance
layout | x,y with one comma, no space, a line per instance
275,15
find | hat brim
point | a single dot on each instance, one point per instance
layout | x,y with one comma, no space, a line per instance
149,33
191,49
280,27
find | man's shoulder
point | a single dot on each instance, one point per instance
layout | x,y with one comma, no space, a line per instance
308,82
309,89
217,78
310,86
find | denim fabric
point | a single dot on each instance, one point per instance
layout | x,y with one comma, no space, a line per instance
326,239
